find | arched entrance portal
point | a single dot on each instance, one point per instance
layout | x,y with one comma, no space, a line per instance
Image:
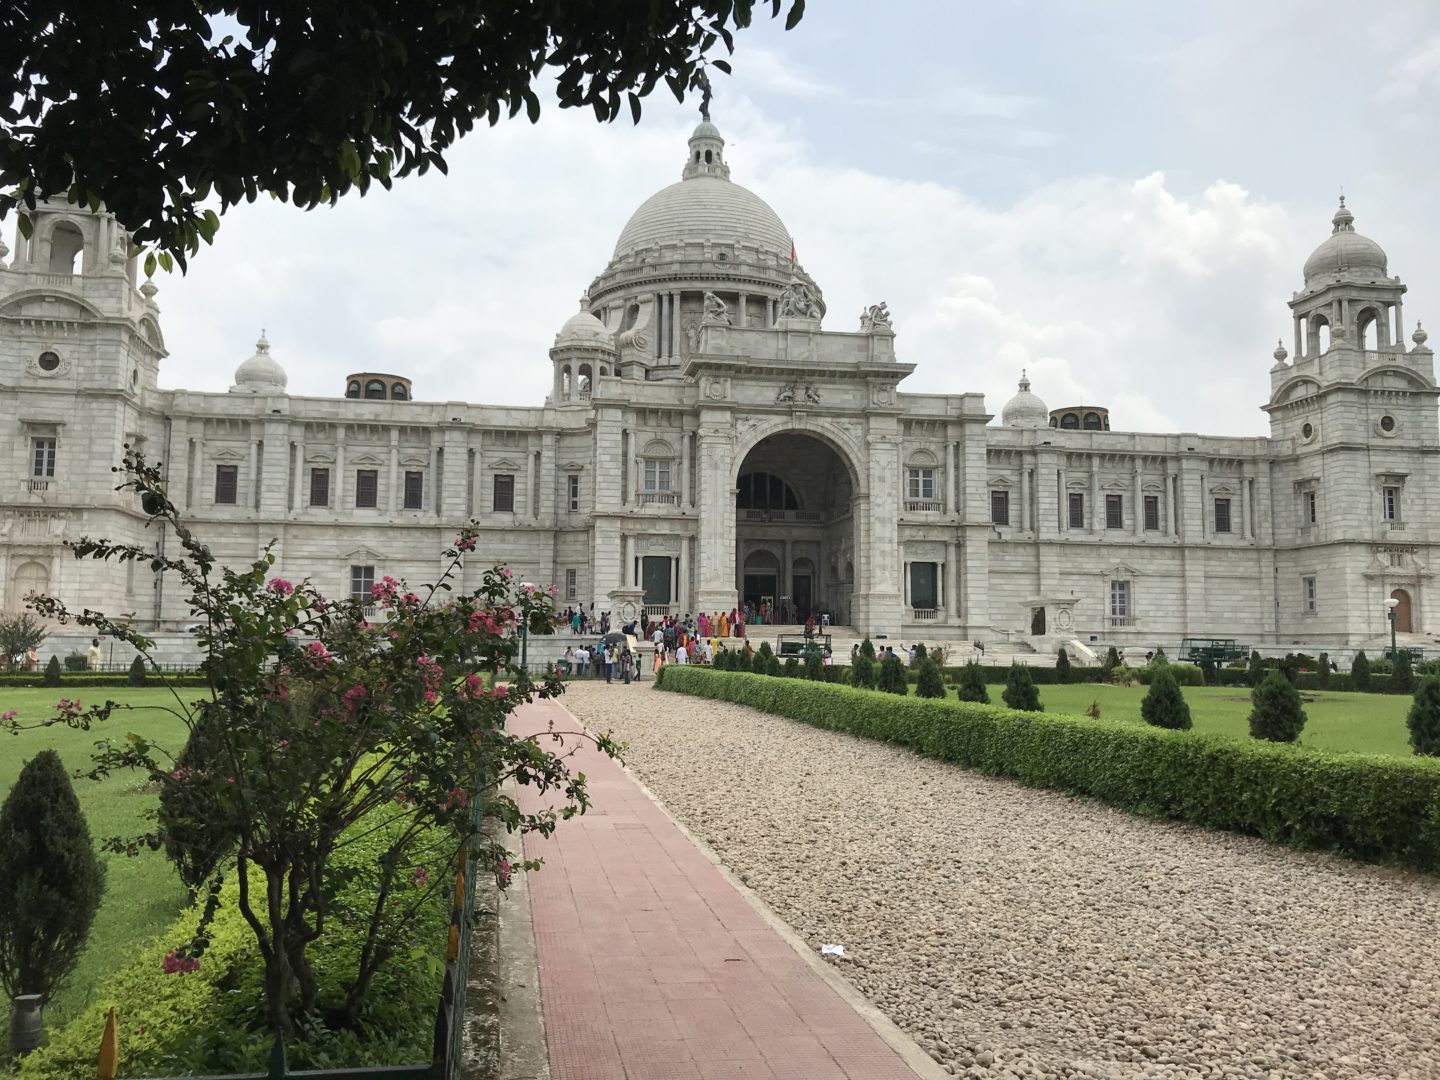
795,529
1404,612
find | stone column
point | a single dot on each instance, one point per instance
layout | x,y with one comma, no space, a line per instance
1400,324
682,582
878,533
434,477
1138,509
675,314
1063,516
301,497
740,315
904,588
662,308
337,489
974,583
395,471
944,479
1299,338
1024,498
715,451
769,312
1097,505
683,487
1172,516
630,573
952,566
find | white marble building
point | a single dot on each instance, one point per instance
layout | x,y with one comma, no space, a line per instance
706,441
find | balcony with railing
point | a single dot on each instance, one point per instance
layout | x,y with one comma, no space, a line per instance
808,516
925,614
658,611
923,506
659,498
36,486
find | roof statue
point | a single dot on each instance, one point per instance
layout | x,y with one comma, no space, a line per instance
797,301
702,80
716,310
875,317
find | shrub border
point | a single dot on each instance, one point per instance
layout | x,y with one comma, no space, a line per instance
1366,806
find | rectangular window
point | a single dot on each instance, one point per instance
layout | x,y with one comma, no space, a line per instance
921,484
1311,512
572,584
1152,513
319,487
999,508
414,490
1222,515
657,475
42,465
1308,599
1114,511
1077,510
367,488
925,585
503,498
362,580
1390,503
1119,599
573,482
227,484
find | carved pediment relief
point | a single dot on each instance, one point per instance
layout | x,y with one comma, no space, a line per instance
228,454
46,306
503,465
363,555
1116,485
366,460
1000,482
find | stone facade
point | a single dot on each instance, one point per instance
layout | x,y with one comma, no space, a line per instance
705,441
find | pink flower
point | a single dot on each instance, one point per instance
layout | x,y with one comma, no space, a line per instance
279,586
465,543
554,590
527,589
175,963
384,589
69,709
420,877
474,687
502,873
7,716
505,570
316,651
352,698
409,598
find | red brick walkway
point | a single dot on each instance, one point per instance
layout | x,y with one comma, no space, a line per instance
654,967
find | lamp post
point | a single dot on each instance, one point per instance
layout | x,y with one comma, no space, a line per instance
1390,605
525,586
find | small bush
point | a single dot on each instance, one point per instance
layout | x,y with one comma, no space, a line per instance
791,668
51,880
1183,674
1020,690
1093,712
1256,668
892,676
1207,670
137,671
193,843
1360,672
930,684
867,650
1164,705
1424,718
1323,671
740,659
52,672
1159,657
762,657
76,661
1111,662
920,654
971,684
862,671
1275,712
1402,675
814,666
1062,666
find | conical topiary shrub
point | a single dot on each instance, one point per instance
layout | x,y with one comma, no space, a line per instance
814,666
972,684
1111,661
761,664
1164,705
1424,718
1062,665
1275,712
193,841
137,671
50,879
1360,672
1402,674
862,671
930,684
892,675
52,672
1020,690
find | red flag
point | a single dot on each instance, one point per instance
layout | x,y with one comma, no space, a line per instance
792,252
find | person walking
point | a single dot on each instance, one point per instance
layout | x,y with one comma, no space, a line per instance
92,655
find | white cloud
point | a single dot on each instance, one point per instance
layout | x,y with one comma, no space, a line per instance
1418,71
764,69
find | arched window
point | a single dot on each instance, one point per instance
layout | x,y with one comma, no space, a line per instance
375,390
567,382
764,491
1070,421
1092,421
30,577
583,383
707,157
1054,422
398,391
353,390
1368,326
66,244
1319,335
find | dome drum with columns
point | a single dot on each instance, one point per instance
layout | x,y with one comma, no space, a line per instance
707,444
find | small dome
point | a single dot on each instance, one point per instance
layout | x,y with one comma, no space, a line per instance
1346,253
261,374
705,130
584,330
1025,410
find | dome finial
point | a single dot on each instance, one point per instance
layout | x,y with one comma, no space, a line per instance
1344,220
702,80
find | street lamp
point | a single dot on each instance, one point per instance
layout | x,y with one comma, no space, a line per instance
1390,605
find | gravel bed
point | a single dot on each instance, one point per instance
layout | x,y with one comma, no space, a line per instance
1018,932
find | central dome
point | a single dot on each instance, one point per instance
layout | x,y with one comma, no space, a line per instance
705,205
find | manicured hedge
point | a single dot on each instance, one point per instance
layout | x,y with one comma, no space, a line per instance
118,678
1366,806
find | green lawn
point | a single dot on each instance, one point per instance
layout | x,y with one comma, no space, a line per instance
1370,723
142,893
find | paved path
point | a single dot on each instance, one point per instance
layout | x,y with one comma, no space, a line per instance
654,967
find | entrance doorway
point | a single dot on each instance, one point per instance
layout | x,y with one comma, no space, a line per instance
1404,613
760,582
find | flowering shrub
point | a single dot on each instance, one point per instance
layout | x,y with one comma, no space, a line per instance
300,742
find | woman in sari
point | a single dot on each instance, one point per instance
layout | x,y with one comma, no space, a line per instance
703,621
724,626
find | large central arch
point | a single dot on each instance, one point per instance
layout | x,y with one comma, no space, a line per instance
796,528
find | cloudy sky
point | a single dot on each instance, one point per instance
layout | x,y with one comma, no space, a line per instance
1118,196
